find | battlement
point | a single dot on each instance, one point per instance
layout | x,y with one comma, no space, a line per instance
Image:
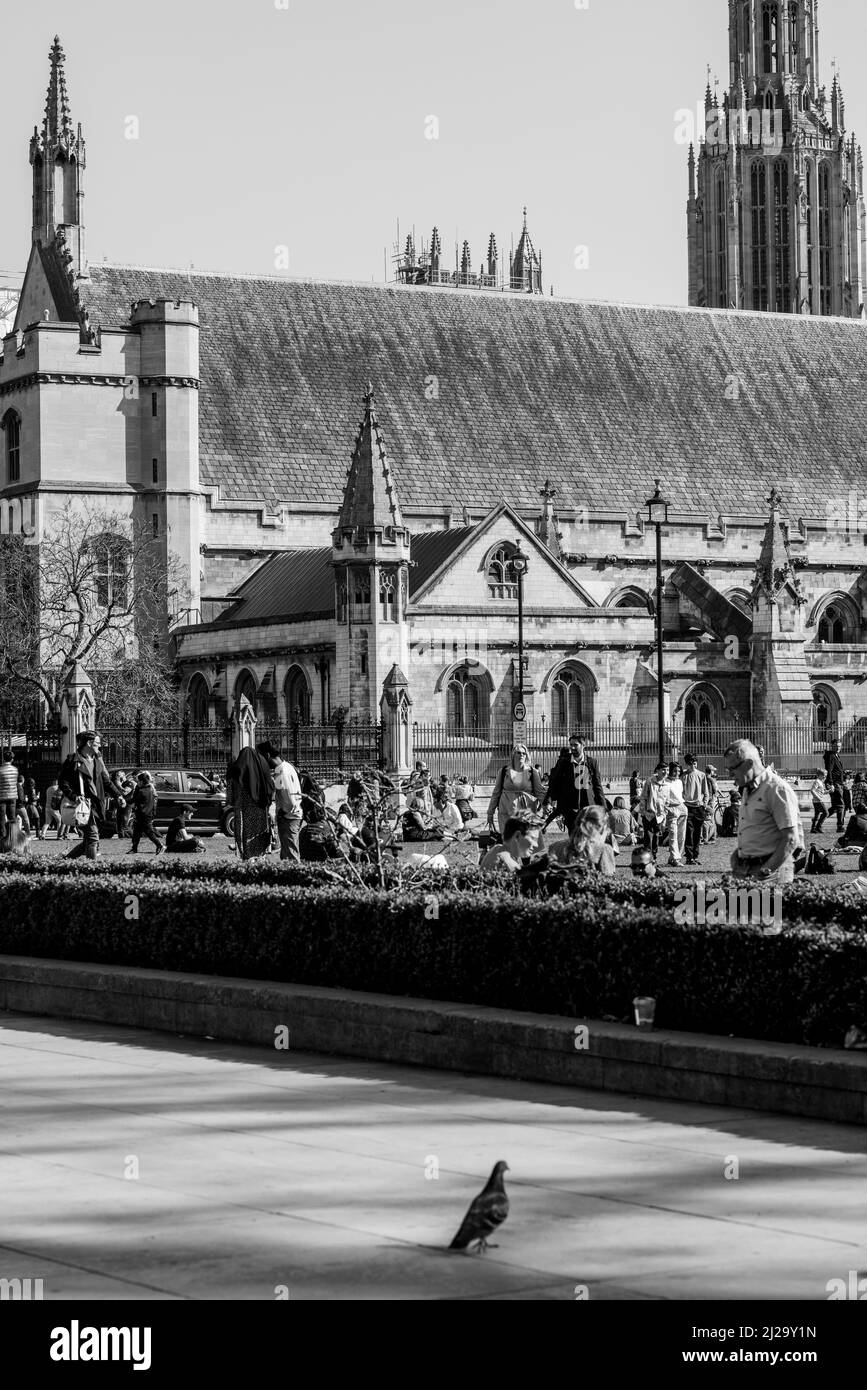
178,311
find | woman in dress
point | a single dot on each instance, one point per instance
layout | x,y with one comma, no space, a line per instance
250,792
517,790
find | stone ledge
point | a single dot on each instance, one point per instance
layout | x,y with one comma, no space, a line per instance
744,1073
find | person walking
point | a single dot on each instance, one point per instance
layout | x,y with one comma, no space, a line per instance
8,791
574,783
287,791
676,817
820,810
144,804
31,804
21,805
51,811
696,799
84,775
517,788
653,805
835,778
769,825
122,814
250,792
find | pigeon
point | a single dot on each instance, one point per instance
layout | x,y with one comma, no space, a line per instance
487,1211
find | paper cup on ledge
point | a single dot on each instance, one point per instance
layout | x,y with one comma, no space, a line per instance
645,1011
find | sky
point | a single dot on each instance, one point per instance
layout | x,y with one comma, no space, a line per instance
294,133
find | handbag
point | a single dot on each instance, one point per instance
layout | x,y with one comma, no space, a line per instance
75,812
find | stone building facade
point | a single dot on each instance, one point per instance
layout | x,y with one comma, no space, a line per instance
221,410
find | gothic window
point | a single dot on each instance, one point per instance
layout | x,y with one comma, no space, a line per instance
770,38
758,186
834,625
722,267
502,580
782,252
388,595
699,717
825,714
197,702
810,243
360,582
467,704
297,697
571,701
745,45
245,688
341,599
111,571
794,40
634,598
824,238
12,426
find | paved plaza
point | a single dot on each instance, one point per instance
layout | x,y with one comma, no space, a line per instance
140,1165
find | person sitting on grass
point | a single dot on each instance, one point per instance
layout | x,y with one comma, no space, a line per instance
14,840
348,830
621,823
450,816
643,864
591,844
516,847
178,838
464,792
855,835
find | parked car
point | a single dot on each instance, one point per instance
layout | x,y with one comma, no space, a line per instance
181,786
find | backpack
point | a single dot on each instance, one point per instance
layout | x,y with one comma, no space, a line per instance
819,862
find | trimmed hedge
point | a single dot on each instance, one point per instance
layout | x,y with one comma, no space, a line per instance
581,956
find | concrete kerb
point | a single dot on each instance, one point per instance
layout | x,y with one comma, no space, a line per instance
815,1083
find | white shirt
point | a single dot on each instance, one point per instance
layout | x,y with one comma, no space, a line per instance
675,795
288,788
818,789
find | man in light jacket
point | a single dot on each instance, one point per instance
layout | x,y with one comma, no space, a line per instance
696,798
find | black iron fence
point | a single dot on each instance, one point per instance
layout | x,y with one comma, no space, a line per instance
135,746
37,752
623,747
325,749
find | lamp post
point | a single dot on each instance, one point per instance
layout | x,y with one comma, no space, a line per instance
519,566
657,515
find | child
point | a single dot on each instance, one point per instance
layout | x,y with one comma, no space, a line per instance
817,791
144,804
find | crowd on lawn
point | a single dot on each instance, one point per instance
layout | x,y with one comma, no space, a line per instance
281,809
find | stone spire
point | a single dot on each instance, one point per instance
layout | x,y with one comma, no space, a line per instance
370,502
58,118
775,572
779,675
526,264
548,533
58,157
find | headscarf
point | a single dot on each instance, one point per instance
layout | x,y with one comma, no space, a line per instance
251,774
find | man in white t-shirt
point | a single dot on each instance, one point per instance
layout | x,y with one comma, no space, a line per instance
287,786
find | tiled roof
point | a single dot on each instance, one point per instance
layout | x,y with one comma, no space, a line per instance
600,398
300,583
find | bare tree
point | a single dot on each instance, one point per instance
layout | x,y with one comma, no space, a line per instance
91,591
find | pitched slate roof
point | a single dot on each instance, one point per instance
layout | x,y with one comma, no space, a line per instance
600,398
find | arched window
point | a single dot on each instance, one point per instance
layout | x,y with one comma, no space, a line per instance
111,571
700,716
782,255
758,189
467,703
388,595
198,702
502,580
633,597
811,246
770,38
741,599
12,427
835,625
341,600
571,700
824,238
826,713
296,694
245,688
360,590
721,250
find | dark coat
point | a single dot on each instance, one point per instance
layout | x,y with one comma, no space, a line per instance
833,767
562,791
77,779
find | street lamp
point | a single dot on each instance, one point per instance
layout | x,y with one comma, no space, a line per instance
657,515
519,566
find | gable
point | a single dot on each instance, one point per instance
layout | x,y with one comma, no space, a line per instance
461,581
45,287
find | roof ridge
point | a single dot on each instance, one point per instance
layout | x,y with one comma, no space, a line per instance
467,291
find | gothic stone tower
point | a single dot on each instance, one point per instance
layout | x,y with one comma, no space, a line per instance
370,555
780,679
776,216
